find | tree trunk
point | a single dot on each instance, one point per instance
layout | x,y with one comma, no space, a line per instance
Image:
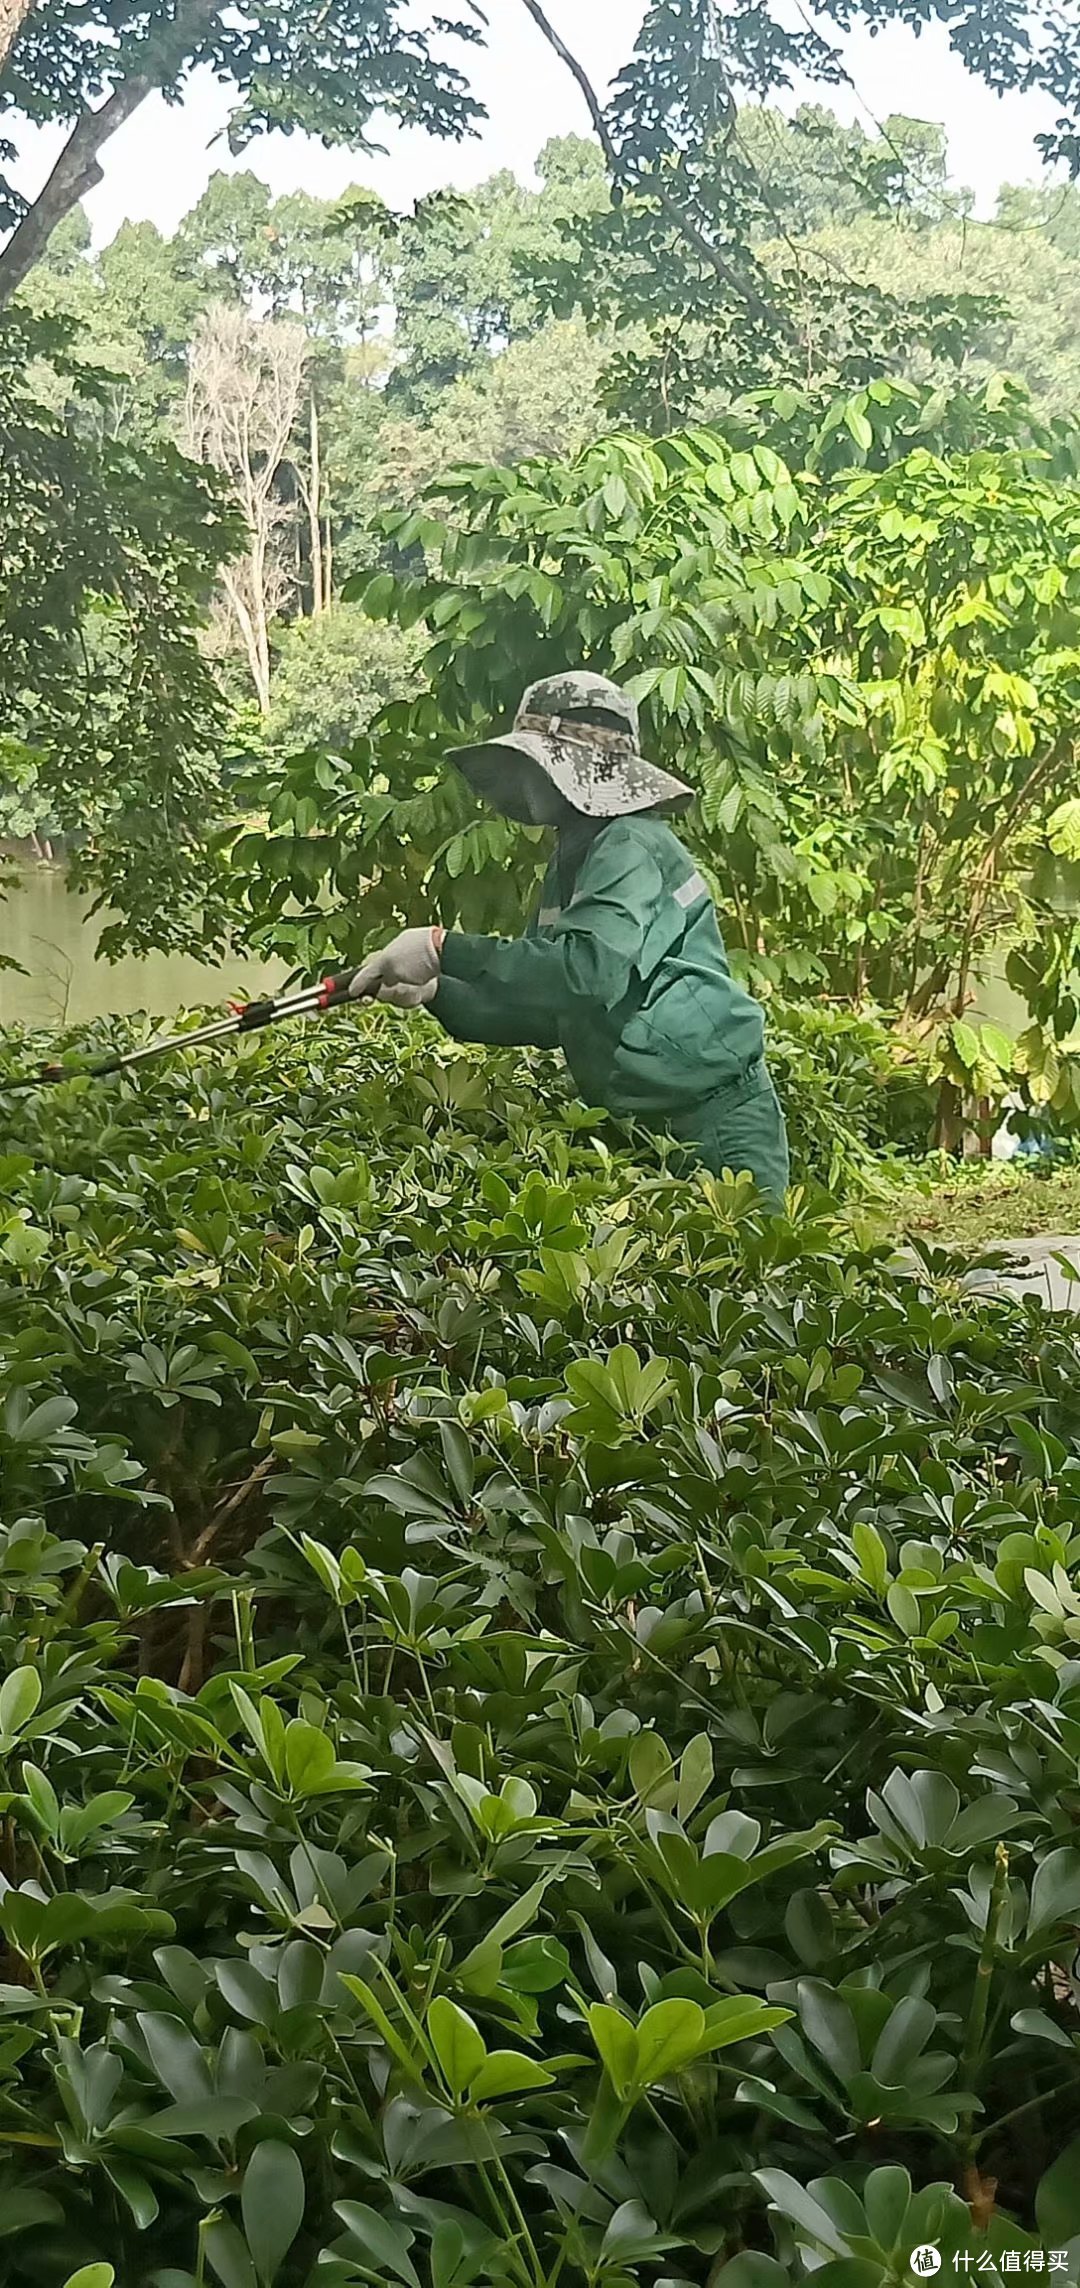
328,563
13,15
77,169
949,1120
980,1130
328,548
259,621
318,597
261,644
258,663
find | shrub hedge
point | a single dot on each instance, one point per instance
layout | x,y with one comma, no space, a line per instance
540,1714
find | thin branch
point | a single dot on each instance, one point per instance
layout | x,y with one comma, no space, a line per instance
78,169
226,1509
578,71
683,223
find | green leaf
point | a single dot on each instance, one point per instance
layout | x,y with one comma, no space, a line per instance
668,2037
695,1776
802,2210
965,1041
857,423
507,2071
902,2040
228,2255
177,2059
20,1697
42,1796
997,1046
536,1966
873,1560
752,2269
939,1375
740,2018
272,2203
887,2195
309,1758
457,2043
1055,1890
828,2023
386,2245
904,1608
652,1771
136,2191
412,2065
616,2041
1057,2201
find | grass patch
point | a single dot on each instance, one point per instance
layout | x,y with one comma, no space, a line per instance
974,1205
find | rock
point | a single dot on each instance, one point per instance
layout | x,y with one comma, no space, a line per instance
1048,1267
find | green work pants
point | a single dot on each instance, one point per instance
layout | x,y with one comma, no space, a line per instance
740,1131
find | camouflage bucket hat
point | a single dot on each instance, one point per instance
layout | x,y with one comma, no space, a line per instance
599,770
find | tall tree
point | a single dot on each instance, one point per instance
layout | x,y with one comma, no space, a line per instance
327,264
461,269
87,65
225,239
816,172
245,390
539,396
111,717
321,260
134,306
1043,211
1022,295
682,249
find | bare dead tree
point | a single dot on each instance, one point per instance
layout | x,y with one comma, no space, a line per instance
245,389
309,479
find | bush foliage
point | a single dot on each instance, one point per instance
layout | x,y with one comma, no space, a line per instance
539,1712
851,630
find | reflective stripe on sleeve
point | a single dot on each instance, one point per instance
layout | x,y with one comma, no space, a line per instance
691,890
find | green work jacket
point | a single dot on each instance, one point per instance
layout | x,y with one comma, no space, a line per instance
623,968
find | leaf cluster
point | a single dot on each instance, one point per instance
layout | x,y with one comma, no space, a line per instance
538,1725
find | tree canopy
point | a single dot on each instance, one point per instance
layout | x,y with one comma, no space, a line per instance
112,719
330,73
536,1697
666,133
712,277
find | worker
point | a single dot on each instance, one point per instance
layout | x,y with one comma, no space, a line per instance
623,966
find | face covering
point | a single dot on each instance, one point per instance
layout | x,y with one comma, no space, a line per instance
544,804
519,789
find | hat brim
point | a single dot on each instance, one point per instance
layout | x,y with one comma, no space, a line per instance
592,780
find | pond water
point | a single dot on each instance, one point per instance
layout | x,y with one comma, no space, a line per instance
51,931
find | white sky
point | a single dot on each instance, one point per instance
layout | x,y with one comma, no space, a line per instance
157,165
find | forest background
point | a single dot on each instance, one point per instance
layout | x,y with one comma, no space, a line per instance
726,398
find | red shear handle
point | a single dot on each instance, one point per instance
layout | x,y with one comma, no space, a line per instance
255,1014
335,990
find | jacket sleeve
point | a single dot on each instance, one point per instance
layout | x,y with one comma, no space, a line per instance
507,990
469,1010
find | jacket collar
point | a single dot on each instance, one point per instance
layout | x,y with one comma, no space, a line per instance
575,839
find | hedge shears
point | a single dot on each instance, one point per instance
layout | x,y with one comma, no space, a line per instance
243,1017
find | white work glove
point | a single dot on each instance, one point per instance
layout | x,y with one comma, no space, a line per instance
405,973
